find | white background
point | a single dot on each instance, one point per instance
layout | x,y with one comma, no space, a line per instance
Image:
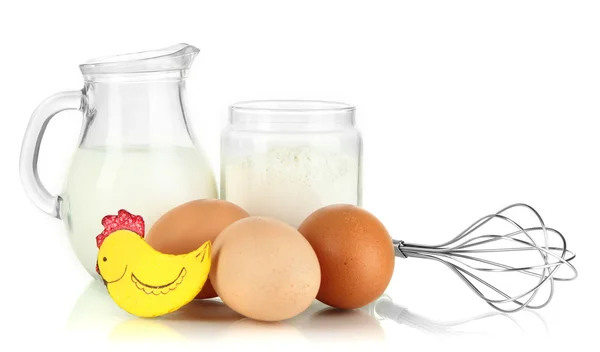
464,106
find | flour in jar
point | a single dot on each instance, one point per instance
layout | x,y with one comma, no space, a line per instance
290,183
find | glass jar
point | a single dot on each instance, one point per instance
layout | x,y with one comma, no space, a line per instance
285,159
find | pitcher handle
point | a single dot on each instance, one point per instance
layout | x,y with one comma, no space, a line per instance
30,149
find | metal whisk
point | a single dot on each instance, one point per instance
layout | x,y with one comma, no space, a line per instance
471,255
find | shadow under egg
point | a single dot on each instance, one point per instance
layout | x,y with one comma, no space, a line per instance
253,331
338,324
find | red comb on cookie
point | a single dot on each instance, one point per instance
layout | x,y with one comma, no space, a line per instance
123,221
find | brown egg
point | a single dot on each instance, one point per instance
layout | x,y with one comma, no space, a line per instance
264,269
355,252
187,226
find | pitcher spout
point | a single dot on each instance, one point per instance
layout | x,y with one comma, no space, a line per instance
178,57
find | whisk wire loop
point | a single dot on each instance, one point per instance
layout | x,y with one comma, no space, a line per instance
464,255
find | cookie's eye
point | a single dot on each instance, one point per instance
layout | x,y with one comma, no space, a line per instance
104,259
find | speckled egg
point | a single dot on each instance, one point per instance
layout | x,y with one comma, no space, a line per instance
264,269
355,252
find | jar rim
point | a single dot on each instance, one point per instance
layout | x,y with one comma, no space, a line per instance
291,106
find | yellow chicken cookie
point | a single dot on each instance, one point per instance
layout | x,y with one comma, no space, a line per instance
145,282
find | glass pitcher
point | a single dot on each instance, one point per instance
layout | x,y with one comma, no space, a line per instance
135,152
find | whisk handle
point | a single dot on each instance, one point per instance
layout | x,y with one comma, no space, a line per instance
398,244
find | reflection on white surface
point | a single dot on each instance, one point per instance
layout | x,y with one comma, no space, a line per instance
212,321
385,308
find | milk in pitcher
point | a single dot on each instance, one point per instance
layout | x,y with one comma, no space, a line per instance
146,181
